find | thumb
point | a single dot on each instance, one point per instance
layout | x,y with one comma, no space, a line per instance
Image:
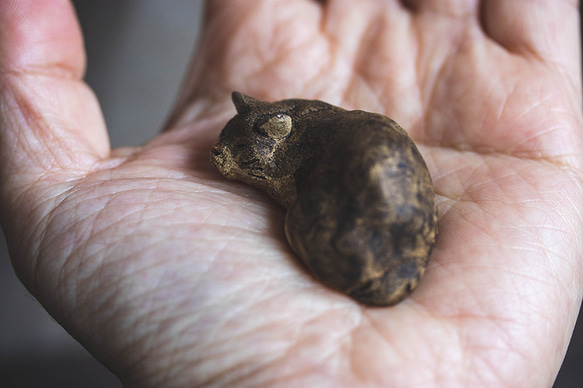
51,127
50,121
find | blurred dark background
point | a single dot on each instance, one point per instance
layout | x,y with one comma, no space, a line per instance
138,51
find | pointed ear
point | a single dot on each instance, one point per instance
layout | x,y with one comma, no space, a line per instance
243,103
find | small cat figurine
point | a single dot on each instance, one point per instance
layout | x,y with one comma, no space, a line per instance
361,210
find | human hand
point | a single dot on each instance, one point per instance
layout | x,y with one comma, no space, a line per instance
172,276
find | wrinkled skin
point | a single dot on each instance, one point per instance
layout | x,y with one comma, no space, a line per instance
172,276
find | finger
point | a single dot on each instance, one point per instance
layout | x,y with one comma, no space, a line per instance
548,29
238,38
49,119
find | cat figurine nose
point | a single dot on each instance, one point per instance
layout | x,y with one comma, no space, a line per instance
216,150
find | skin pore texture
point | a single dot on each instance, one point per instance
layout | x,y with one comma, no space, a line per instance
173,276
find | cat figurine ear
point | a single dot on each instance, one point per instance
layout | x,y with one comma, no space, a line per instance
244,103
277,127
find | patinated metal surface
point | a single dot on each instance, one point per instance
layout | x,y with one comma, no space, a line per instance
361,210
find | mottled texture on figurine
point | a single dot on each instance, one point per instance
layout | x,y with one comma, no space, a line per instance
361,210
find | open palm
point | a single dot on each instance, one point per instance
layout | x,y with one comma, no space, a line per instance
173,276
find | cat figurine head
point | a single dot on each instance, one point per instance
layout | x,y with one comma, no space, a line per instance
265,144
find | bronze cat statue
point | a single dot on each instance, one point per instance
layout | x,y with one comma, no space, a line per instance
361,210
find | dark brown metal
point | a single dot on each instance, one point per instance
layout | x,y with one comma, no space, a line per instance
361,210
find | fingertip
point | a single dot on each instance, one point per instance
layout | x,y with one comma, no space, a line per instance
40,35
